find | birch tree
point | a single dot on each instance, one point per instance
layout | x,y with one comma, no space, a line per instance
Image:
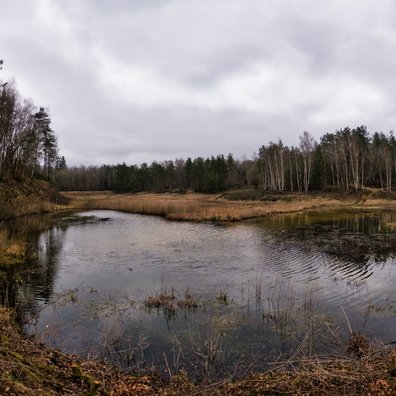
307,148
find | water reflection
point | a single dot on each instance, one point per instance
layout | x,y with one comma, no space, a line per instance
285,285
24,286
354,236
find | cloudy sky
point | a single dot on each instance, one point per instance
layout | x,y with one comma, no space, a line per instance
142,80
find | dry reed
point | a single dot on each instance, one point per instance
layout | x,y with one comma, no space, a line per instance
192,206
12,251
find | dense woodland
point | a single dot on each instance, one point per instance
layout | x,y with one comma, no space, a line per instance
346,159
28,145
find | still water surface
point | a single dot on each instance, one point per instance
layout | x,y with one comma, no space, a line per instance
263,289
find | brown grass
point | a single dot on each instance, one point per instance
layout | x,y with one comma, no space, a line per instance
24,196
11,251
164,299
167,300
197,207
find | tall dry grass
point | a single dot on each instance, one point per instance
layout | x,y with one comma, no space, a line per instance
21,206
11,250
193,206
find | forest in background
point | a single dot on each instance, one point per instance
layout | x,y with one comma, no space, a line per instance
346,159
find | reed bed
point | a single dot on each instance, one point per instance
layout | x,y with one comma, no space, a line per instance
12,251
193,206
24,206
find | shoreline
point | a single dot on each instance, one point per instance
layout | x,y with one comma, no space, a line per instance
222,207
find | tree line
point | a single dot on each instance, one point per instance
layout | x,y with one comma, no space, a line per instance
28,145
346,159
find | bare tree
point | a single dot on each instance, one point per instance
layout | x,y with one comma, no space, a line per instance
26,140
307,148
273,163
382,158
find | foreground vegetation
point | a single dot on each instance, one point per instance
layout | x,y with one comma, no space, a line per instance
28,368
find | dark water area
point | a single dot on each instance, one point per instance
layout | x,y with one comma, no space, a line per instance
217,300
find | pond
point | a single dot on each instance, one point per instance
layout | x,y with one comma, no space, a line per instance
217,300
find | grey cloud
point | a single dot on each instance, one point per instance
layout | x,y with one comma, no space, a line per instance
226,61
327,65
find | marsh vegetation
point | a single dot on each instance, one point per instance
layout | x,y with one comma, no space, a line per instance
209,207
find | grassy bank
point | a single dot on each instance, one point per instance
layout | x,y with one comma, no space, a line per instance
22,196
231,206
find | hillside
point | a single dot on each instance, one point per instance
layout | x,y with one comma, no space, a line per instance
22,196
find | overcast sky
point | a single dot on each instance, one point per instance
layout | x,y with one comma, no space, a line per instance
151,80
